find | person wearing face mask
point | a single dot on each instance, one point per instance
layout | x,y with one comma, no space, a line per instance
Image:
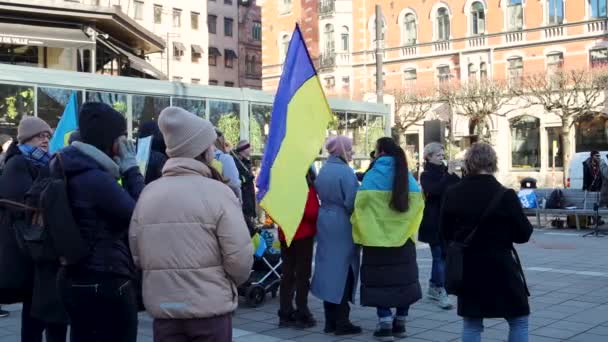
99,292
435,180
337,257
26,159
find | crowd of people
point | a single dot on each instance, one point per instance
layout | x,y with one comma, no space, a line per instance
176,241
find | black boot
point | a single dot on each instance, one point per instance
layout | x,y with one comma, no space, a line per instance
286,320
347,329
304,320
330,321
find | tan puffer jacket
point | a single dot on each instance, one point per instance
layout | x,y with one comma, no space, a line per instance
189,237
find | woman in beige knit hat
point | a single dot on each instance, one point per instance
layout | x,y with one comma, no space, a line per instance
189,237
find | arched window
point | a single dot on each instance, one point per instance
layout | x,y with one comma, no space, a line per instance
284,46
344,38
328,35
555,12
478,18
409,29
515,15
597,8
247,65
525,142
472,72
443,24
483,71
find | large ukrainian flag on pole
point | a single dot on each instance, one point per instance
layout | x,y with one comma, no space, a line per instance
298,124
66,126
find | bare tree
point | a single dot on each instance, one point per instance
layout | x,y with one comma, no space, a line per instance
477,101
410,109
569,94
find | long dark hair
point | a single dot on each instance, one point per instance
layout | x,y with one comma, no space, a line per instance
400,197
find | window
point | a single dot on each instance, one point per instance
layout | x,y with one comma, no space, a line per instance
598,57
525,142
555,61
177,17
194,19
178,50
284,46
212,23
229,57
598,8
483,71
284,7
228,84
478,18
138,10
555,11
345,81
410,76
212,60
177,79
196,51
195,80
472,72
212,82
443,24
328,35
443,73
344,38
515,13
158,14
516,70
256,31
409,29
228,2
228,23
555,139
330,82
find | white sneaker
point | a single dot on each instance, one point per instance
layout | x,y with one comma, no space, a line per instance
434,293
444,300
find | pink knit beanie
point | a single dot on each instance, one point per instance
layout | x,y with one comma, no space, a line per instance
339,146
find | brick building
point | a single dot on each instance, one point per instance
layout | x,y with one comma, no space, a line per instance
250,44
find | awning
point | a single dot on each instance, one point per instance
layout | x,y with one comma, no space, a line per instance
230,53
135,62
179,46
197,49
34,35
214,51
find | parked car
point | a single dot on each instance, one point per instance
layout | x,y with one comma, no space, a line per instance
575,169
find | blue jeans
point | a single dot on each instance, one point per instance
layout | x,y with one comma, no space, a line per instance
438,268
386,315
473,327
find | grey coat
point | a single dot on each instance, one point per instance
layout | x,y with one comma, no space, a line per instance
336,252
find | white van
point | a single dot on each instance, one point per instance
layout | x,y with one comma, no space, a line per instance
575,170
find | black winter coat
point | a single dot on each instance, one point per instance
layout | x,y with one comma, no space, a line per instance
434,181
591,183
494,286
247,186
155,166
389,276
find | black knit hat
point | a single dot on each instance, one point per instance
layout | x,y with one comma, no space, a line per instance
100,125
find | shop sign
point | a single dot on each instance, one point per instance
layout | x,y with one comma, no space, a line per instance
18,40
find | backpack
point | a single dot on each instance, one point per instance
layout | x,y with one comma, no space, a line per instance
555,200
48,231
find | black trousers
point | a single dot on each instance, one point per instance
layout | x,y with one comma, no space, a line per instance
32,328
212,329
102,306
338,315
296,268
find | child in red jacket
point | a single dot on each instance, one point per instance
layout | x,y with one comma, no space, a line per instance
297,264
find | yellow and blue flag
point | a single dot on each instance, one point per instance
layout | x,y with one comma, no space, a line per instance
298,124
67,125
375,223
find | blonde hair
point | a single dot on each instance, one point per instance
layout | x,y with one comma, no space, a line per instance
480,158
431,149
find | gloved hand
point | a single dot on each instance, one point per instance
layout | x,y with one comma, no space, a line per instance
126,155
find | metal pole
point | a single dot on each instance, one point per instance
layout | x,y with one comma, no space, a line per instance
168,58
379,55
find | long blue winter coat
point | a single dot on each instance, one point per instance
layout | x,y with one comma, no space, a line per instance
337,187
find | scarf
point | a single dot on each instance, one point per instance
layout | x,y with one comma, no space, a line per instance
35,155
101,158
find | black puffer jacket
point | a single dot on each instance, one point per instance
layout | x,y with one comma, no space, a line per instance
247,185
434,181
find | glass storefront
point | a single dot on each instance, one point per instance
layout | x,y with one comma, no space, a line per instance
15,102
592,133
52,103
259,125
147,108
226,117
525,142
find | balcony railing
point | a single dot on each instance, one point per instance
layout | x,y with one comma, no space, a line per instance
327,7
327,60
554,32
513,37
477,41
407,51
442,46
598,26
343,58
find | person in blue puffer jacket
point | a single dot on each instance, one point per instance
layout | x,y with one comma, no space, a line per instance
99,292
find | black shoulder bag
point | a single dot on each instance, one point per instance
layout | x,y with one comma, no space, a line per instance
454,263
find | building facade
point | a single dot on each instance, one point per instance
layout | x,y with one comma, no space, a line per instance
250,44
425,43
222,21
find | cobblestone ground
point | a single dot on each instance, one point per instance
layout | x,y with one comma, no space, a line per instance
567,275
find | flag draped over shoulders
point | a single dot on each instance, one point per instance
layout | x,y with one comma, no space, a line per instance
299,120
375,223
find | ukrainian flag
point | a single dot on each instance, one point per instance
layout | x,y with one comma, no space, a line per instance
67,125
375,224
300,116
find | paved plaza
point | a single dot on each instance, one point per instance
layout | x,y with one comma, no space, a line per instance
567,275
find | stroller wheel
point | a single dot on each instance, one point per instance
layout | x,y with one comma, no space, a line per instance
255,296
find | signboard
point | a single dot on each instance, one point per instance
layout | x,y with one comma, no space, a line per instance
19,40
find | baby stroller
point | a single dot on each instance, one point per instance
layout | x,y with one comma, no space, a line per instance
265,276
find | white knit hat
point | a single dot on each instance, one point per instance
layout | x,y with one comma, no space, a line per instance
186,135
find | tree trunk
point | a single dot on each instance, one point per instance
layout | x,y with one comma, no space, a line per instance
566,149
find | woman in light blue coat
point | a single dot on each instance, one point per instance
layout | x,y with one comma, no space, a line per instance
337,257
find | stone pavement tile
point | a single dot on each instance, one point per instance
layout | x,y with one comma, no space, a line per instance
585,305
14,338
554,333
497,334
563,308
318,337
238,332
259,317
438,336
537,338
597,315
451,328
586,337
599,331
446,316
286,333
425,323
548,299
238,321
573,326
256,338
144,338
257,327
548,313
